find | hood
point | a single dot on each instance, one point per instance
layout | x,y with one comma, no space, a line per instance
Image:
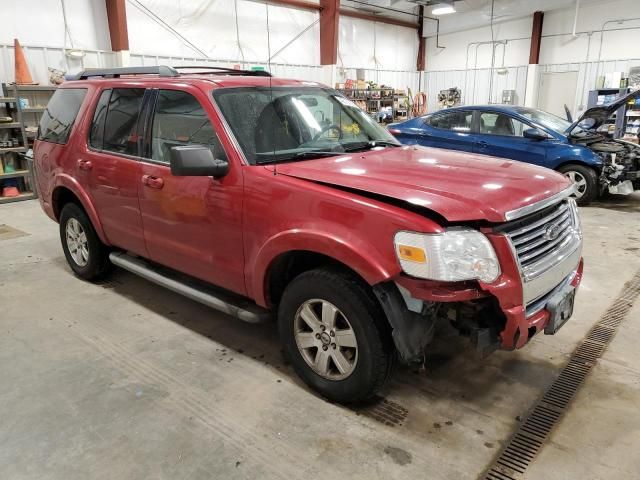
459,186
594,117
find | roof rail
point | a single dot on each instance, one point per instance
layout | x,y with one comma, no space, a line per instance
160,70
227,71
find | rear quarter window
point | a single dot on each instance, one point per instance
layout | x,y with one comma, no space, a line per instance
60,114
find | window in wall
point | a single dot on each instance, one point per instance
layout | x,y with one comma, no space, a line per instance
500,124
58,117
459,121
120,131
179,119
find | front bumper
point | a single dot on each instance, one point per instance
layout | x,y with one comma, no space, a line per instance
522,319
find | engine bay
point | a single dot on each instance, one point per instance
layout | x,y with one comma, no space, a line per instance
621,160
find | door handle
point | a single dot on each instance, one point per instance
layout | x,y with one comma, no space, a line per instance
482,144
152,181
84,164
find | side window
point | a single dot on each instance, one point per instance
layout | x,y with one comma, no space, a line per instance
179,119
96,134
459,121
122,121
500,124
58,117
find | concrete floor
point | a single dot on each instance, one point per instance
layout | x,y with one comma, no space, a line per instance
127,380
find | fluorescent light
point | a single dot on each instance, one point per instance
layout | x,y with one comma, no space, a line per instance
443,9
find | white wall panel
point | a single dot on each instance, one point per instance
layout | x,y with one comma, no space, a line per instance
40,22
211,26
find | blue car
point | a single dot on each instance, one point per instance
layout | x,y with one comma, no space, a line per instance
593,161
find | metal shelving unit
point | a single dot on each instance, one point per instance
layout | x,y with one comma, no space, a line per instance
22,172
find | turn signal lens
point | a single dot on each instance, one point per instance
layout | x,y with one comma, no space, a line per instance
412,254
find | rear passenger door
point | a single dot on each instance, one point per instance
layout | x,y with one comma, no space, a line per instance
450,129
191,224
110,168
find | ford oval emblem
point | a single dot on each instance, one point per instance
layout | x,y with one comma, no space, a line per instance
552,232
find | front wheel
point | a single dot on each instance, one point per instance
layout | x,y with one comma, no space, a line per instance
336,335
585,180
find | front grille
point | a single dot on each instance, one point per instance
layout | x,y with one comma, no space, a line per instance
545,241
534,240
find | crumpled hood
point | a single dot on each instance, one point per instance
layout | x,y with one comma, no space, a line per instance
459,186
601,113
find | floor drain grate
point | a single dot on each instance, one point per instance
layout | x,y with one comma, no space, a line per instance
528,440
384,411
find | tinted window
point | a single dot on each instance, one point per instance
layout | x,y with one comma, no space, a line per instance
120,131
179,119
458,121
57,119
96,134
500,124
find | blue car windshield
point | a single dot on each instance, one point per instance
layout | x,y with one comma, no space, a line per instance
545,119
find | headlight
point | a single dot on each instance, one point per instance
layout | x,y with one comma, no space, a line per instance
455,255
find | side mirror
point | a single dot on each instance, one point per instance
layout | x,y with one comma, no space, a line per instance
196,161
534,134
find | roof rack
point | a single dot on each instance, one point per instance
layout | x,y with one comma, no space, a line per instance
228,71
162,71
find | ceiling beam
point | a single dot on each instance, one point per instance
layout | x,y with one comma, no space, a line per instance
353,13
117,19
536,36
376,18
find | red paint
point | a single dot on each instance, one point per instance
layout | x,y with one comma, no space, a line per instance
229,231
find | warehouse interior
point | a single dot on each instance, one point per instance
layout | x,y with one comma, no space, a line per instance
511,127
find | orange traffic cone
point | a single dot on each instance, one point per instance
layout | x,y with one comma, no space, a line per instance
23,76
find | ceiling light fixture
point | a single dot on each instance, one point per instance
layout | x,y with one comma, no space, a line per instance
443,9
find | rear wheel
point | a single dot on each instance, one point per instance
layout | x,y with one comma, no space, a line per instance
585,180
336,335
87,256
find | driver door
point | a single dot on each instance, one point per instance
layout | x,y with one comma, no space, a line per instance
191,224
501,135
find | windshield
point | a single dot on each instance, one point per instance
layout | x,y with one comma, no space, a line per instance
288,123
545,119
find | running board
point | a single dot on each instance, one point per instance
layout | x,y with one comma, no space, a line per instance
229,303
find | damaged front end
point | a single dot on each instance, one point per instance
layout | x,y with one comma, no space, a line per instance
621,166
620,173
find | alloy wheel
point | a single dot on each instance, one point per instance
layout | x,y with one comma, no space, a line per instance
579,181
77,242
325,339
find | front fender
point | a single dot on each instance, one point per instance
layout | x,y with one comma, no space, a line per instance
362,257
66,181
575,154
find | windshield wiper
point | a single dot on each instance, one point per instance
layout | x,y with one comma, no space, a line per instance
310,154
354,147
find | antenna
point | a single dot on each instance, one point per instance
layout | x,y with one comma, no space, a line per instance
275,165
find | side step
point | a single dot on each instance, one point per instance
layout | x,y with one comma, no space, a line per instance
226,302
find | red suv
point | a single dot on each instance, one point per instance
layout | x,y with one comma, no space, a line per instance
259,195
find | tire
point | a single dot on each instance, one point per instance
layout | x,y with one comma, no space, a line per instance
585,178
343,373
87,256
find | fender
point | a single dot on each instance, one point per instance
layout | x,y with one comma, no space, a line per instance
64,180
360,256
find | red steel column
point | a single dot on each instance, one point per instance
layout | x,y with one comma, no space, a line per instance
422,43
329,17
117,18
536,36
